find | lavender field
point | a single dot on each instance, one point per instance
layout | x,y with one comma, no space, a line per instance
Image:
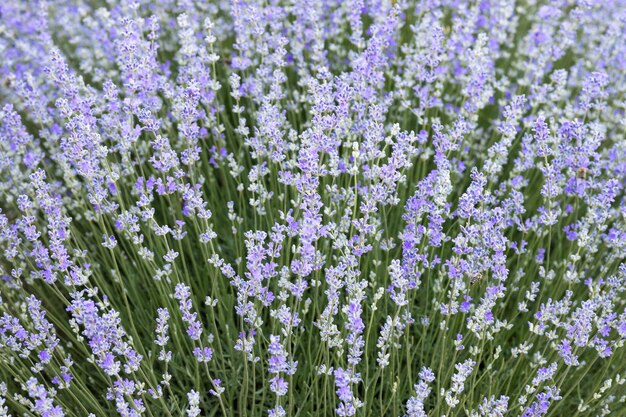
302,208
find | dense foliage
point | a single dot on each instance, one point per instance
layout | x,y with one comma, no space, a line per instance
312,208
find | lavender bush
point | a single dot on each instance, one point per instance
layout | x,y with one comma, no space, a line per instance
312,208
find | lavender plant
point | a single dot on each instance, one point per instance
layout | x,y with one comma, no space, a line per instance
312,208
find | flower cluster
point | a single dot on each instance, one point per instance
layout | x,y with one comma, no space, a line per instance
296,208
